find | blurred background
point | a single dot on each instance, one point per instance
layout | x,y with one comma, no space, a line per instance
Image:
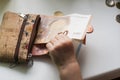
99,58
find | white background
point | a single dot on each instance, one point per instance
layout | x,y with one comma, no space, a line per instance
99,58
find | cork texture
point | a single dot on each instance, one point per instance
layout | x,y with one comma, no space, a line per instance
9,32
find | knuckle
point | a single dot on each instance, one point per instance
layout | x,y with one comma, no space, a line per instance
67,42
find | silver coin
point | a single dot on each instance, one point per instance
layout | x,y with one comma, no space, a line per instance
118,18
118,5
110,3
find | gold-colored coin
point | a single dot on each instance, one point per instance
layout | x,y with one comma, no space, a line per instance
58,13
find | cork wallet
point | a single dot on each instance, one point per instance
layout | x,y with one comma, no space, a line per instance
23,36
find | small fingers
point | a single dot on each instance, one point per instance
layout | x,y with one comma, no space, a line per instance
52,44
65,32
49,46
59,36
53,41
59,40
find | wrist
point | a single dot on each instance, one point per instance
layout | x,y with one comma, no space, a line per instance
63,60
68,62
70,71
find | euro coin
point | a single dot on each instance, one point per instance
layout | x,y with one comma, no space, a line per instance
58,13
